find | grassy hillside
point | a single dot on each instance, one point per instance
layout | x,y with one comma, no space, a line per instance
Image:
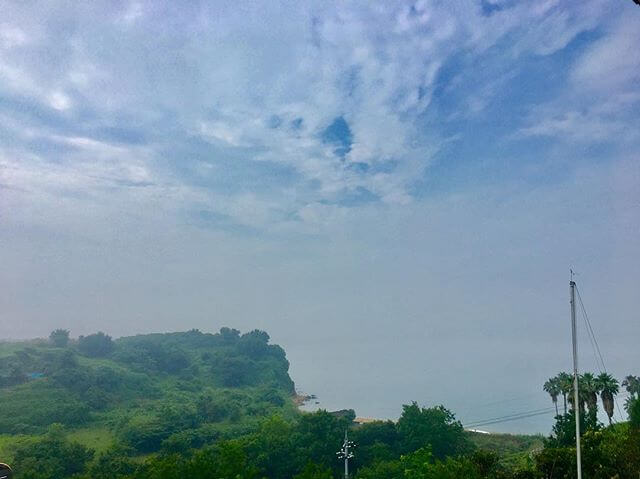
513,449
150,392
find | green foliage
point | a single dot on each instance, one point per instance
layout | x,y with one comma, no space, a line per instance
434,426
146,433
52,456
130,380
377,441
114,462
235,371
216,406
226,459
273,448
506,443
564,430
314,471
96,345
59,338
152,353
392,469
254,344
229,336
31,407
633,408
318,437
420,465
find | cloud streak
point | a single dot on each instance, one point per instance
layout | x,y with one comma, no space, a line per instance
262,85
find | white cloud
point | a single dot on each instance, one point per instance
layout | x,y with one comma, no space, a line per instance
220,72
59,101
601,100
613,62
11,37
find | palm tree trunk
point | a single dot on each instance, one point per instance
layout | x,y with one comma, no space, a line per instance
564,398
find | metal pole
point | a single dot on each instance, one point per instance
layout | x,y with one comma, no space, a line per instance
576,395
346,455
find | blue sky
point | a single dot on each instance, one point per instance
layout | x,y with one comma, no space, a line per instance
323,171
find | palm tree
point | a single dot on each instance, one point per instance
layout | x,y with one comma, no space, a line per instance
552,387
565,383
632,385
608,389
589,389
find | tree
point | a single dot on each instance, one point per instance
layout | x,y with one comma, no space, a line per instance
314,471
96,345
59,337
421,465
271,448
235,371
552,387
436,426
146,433
565,383
318,436
112,463
564,430
632,385
382,470
254,344
51,457
376,441
608,386
227,459
590,388
634,413
212,409
229,335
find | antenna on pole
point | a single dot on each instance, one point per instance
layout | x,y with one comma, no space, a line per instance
345,454
576,395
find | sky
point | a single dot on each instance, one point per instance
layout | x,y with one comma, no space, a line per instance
394,191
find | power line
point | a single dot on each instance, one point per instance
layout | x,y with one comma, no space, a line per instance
513,417
593,340
510,417
592,336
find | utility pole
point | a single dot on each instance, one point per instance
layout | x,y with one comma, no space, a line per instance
576,395
345,454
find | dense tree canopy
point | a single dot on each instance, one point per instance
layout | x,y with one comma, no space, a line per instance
434,426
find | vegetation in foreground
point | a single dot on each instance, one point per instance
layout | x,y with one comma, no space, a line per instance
195,405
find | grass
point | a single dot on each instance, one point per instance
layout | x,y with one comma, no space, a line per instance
8,442
507,443
98,438
514,449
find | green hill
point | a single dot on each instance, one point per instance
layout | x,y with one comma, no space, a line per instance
149,392
196,405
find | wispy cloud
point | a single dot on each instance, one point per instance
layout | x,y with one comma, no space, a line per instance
271,85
